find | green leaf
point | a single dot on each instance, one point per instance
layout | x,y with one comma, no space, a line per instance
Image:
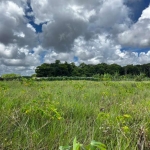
76,145
64,147
99,145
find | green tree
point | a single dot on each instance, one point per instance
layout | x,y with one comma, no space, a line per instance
88,70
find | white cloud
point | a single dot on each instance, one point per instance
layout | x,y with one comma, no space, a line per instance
13,58
10,52
94,31
97,50
13,28
42,11
67,20
145,14
101,49
16,38
51,56
113,12
31,27
138,35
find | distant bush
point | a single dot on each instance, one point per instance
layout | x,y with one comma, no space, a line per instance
140,77
65,78
11,75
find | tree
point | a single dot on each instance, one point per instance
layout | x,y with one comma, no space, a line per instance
44,70
88,70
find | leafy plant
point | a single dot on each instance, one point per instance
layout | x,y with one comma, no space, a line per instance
77,146
11,75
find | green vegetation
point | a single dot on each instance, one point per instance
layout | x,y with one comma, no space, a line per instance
11,75
77,146
88,70
97,77
49,115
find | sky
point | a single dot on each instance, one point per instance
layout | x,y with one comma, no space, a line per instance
34,32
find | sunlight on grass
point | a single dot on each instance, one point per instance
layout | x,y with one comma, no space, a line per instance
48,115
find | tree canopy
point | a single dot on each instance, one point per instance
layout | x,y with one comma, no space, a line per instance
88,70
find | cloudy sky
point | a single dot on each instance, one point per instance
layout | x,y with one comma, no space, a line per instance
33,32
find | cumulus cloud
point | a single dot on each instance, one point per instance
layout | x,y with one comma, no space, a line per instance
13,28
67,20
20,60
52,56
12,55
17,36
112,13
138,35
101,49
90,31
97,50
145,14
10,52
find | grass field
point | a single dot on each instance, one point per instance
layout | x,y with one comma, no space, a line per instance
46,115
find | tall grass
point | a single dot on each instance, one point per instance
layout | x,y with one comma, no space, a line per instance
47,115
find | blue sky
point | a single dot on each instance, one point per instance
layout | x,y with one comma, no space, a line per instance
137,8
91,31
38,27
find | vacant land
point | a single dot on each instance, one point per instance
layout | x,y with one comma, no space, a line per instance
46,115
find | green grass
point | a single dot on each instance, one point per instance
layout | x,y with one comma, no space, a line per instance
46,115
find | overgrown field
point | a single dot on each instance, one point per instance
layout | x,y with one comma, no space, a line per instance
46,115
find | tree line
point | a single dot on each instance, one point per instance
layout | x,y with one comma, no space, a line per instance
57,69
